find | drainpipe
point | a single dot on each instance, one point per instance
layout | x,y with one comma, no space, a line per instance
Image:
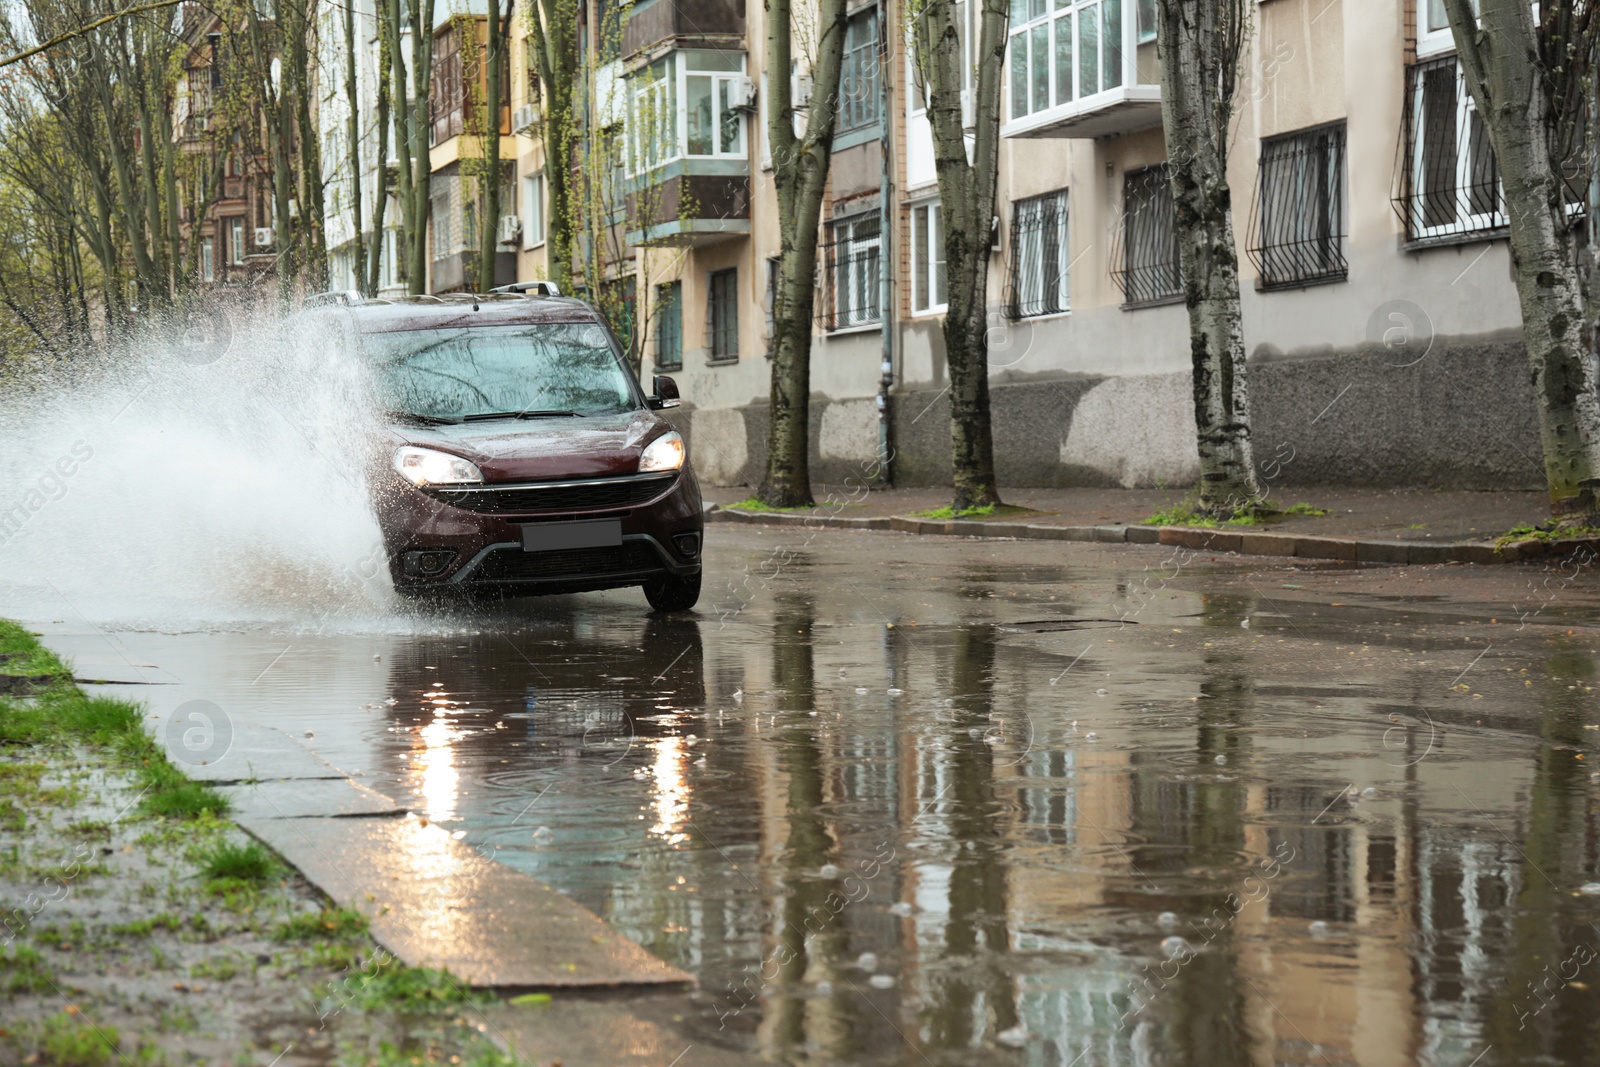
886,221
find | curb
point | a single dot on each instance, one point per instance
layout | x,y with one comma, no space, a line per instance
1346,549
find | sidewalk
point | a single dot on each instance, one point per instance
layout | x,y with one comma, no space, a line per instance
1364,525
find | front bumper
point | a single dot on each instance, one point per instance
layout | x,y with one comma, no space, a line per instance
479,532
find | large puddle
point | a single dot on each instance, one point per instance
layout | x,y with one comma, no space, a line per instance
912,801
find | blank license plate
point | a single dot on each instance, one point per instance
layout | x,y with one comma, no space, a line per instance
550,536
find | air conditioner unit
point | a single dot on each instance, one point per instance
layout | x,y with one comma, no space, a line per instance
523,118
742,94
510,229
800,90
264,237
968,121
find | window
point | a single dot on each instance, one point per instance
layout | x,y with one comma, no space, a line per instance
1298,226
533,210
448,92
722,314
236,240
687,104
1063,52
860,92
1150,272
669,326
208,262
1039,256
1452,181
927,259
1147,21
1433,27
853,272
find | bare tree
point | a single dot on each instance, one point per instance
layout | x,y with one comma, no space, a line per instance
499,36
409,87
1200,44
1530,82
967,183
553,26
800,177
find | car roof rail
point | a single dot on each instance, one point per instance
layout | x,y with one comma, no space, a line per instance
539,288
335,298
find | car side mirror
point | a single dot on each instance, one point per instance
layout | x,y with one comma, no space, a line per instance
666,395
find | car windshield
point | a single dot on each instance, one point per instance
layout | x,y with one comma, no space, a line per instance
549,368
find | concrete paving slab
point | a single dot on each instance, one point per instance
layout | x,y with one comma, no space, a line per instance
436,902
300,798
604,1033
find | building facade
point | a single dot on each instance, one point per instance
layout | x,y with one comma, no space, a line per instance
1380,319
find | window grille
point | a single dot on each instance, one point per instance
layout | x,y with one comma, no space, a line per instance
1450,183
860,95
854,277
669,326
1040,259
1297,230
722,314
1150,270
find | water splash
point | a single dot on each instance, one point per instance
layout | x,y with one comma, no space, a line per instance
193,482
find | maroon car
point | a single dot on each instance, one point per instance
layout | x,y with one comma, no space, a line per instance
524,458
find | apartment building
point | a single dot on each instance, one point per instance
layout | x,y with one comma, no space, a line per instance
1380,319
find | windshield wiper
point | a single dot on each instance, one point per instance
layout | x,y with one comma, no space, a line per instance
427,420
552,414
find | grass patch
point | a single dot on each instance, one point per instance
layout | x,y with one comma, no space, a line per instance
987,511
252,862
70,1040
1184,514
410,989
22,970
757,504
145,927
329,923
60,713
1544,533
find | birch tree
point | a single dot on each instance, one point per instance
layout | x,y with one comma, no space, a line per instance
800,177
409,85
967,183
1200,44
1530,82
553,27
499,36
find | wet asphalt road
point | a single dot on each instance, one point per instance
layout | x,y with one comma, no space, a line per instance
900,800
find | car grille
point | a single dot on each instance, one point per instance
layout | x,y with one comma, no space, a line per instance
561,496
511,565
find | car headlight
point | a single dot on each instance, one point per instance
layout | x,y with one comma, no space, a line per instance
665,453
424,466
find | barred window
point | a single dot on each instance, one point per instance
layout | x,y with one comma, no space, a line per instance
1451,181
722,314
1150,270
771,309
854,278
1298,227
1039,256
860,93
669,326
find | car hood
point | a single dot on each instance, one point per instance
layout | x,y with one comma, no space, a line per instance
517,450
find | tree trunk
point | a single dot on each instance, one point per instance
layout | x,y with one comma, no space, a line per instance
380,186
800,175
1514,91
553,26
358,251
967,187
1199,43
499,27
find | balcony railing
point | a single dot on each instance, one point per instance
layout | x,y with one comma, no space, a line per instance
1081,68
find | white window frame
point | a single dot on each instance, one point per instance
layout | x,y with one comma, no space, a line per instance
1028,260
1431,40
236,241
533,233
857,291
1465,221
663,87
927,260
208,259
861,81
1045,28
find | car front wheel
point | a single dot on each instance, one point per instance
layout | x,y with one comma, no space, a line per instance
673,593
